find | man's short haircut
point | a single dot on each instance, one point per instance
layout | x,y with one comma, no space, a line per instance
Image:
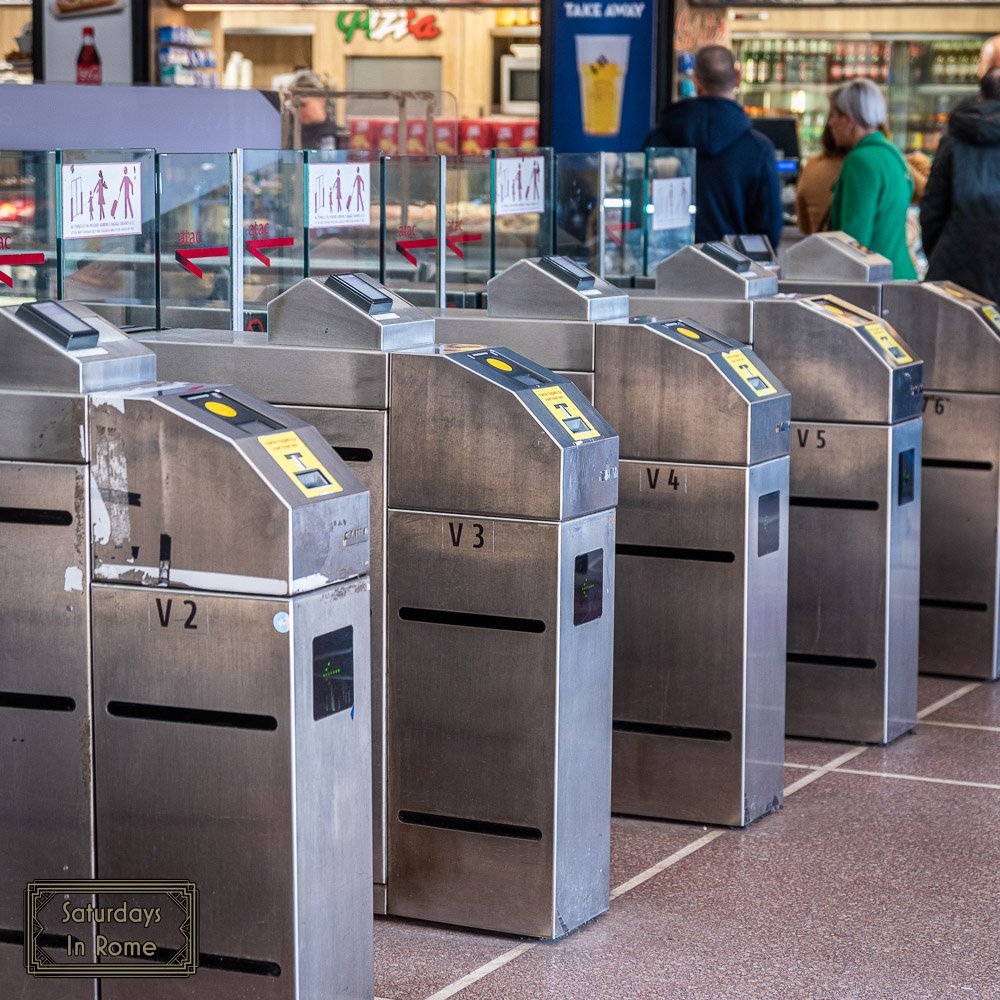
861,101
715,69
989,56
989,86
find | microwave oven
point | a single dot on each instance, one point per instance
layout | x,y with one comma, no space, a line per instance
519,78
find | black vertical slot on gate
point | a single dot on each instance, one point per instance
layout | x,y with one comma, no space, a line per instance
768,523
588,587
907,476
333,672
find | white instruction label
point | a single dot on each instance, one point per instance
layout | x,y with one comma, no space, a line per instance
671,202
520,185
339,195
101,199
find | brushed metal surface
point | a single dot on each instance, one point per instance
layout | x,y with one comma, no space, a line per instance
367,430
584,381
853,583
662,392
283,867
42,426
835,256
861,294
833,372
32,360
559,344
499,726
525,290
291,375
692,271
312,314
959,564
945,325
699,645
220,480
16,984
732,316
46,752
458,441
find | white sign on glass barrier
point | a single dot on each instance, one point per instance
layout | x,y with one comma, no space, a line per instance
101,199
520,185
339,194
671,202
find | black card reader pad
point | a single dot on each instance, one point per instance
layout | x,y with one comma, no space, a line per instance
333,672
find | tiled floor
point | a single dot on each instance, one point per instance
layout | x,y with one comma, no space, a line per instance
878,878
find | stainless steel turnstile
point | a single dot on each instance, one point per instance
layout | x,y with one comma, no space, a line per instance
545,308
835,262
712,282
325,360
702,564
502,483
50,359
231,664
756,246
957,333
854,522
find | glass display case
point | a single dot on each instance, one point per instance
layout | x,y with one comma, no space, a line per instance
925,77
28,268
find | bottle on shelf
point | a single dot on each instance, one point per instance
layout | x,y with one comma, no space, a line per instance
88,62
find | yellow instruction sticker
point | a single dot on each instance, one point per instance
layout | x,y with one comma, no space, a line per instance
991,313
567,413
888,343
300,464
749,373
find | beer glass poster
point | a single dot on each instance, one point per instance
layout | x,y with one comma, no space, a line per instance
602,75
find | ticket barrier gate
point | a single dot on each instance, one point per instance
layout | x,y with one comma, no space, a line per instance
957,333
702,562
835,262
854,531
231,646
545,308
325,360
500,564
50,360
712,282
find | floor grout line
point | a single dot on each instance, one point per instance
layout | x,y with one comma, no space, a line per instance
947,700
962,725
918,777
662,866
828,768
483,971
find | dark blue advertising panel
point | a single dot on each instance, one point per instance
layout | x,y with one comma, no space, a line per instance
602,74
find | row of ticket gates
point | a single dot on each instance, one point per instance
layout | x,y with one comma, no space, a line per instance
610,578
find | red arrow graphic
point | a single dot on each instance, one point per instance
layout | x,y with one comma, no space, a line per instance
13,259
405,246
462,238
255,247
615,229
184,257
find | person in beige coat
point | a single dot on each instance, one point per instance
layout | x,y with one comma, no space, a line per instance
815,190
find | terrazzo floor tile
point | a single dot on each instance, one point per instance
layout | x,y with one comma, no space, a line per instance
414,960
638,844
858,889
932,689
814,753
937,752
978,708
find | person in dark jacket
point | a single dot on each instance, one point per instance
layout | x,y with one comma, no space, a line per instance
960,210
737,188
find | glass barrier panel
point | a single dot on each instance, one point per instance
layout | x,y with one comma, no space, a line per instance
195,226
414,228
670,203
467,256
28,265
344,212
107,229
580,208
523,216
624,208
273,255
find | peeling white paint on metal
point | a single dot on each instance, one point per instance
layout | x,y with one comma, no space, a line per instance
73,579
100,519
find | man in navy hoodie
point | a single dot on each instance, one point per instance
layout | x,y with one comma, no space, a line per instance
737,186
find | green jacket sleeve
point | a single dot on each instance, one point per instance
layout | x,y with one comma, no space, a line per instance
856,199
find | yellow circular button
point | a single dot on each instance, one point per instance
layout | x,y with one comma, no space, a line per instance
219,409
497,363
689,333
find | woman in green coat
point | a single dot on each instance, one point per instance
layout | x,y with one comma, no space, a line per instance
873,192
